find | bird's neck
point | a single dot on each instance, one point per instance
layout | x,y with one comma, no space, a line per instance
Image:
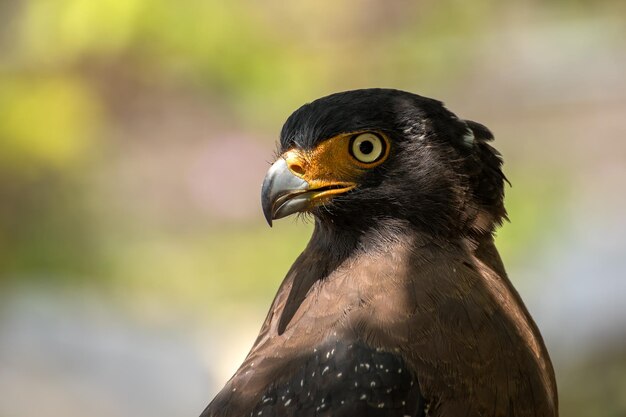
332,245
335,242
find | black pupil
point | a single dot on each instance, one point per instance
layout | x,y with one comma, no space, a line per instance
366,147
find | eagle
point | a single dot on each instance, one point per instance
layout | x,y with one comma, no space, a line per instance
400,304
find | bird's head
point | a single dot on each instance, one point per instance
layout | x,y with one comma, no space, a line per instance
360,157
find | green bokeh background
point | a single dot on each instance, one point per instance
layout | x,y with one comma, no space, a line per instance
134,135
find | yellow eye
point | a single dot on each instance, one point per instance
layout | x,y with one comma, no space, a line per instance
367,147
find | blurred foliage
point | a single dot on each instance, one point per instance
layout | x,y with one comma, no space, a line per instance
234,263
48,129
46,123
596,386
251,53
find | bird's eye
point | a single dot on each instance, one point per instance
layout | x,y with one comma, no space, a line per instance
367,147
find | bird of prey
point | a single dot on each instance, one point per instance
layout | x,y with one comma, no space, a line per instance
400,304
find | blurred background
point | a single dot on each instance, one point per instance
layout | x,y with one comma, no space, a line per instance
135,264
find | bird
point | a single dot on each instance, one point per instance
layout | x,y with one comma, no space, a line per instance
400,304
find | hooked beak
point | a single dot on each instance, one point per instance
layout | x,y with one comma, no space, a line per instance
284,193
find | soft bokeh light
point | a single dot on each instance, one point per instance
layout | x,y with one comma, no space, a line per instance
135,264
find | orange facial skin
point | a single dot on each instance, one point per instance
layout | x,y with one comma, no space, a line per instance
330,167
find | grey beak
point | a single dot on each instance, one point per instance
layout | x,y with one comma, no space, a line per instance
283,193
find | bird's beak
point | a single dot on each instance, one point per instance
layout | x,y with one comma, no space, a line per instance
299,188
283,193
